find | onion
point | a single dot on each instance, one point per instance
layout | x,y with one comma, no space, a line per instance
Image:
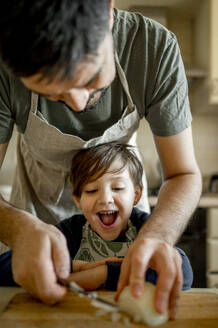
115,316
100,313
142,309
126,321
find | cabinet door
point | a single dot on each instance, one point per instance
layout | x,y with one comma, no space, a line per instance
212,280
213,94
212,258
212,223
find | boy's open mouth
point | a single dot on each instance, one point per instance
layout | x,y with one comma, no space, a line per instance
108,217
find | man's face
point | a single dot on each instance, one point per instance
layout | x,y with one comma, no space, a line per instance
84,89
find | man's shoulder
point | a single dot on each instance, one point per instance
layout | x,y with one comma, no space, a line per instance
5,78
13,103
135,25
13,86
4,69
8,76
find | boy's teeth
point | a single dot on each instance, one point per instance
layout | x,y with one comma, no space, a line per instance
108,217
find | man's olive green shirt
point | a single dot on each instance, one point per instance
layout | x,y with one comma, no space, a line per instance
150,57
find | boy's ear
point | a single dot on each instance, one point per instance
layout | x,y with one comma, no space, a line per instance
77,201
138,193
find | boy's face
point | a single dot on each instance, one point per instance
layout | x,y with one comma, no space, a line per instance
107,202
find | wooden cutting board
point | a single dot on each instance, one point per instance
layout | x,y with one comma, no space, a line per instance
197,310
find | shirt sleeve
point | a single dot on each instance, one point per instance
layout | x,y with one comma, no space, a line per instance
113,273
168,111
7,118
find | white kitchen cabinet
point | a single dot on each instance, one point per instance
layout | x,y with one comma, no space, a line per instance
212,255
212,223
212,280
212,247
213,94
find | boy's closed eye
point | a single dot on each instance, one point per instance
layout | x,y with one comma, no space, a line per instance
118,188
91,191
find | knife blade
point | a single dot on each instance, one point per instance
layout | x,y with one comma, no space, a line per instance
97,301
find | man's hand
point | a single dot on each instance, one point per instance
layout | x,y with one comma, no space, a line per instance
177,199
165,260
40,254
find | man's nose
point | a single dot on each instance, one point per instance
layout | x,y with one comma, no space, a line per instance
76,99
105,197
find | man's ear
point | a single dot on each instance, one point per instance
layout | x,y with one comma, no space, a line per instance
77,201
138,193
111,17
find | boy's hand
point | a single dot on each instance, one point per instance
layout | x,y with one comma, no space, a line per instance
90,279
82,265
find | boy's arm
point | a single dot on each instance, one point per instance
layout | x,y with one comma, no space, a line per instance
78,265
92,275
113,273
90,279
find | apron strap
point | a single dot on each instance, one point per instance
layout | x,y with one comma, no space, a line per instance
34,102
123,80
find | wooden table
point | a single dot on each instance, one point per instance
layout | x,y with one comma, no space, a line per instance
198,309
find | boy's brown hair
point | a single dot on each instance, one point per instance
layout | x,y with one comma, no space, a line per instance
91,163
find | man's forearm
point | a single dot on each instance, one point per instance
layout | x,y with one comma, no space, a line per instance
13,221
177,200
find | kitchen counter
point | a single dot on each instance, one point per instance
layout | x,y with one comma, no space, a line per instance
6,294
207,200
197,308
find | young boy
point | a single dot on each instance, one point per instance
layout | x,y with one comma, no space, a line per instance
107,183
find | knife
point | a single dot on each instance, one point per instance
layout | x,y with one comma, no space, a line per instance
96,301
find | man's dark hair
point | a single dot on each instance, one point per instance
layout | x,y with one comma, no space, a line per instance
91,163
50,37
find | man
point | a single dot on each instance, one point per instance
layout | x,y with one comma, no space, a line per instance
94,73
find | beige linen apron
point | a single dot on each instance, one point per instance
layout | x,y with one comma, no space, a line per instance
41,185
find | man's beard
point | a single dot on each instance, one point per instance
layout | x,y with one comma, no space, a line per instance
88,108
92,106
